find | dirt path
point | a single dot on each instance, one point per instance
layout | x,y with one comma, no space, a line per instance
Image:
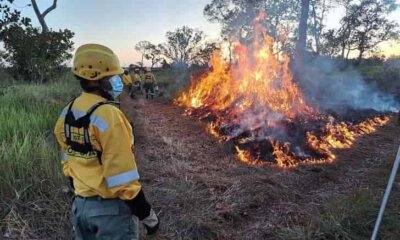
202,192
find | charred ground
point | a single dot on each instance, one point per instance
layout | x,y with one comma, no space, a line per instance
202,191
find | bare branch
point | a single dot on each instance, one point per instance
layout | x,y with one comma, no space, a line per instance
41,16
51,8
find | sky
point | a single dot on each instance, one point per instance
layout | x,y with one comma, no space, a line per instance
120,24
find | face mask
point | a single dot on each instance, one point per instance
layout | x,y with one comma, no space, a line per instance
117,86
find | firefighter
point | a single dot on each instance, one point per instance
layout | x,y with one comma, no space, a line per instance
149,82
96,141
126,78
137,82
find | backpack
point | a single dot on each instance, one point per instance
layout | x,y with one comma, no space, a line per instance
82,122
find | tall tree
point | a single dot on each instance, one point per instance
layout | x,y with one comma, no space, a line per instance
318,11
186,46
364,26
143,47
42,15
373,26
30,53
153,54
237,16
302,36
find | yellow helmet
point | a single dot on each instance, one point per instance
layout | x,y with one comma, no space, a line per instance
94,62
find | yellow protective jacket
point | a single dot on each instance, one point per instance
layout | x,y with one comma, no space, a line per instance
116,175
137,77
126,79
149,78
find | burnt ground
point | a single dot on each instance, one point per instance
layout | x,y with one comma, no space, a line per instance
201,191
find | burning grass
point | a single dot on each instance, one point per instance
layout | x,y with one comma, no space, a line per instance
201,192
258,106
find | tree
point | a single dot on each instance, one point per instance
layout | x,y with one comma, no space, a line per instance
330,44
36,56
10,16
41,16
29,53
302,36
143,48
165,64
153,54
364,26
319,9
372,25
186,46
237,17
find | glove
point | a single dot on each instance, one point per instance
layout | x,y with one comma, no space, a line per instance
139,206
152,222
71,183
142,209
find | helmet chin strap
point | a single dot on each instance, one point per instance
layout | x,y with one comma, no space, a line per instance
106,95
102,92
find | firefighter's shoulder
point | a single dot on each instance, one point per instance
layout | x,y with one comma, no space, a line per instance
110,114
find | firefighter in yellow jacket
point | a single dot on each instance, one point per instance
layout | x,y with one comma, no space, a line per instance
149,82
137,83
96,141
126,78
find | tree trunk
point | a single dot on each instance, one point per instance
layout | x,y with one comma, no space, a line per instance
302,39
361,47
360,55
315,27
343,48
348,52
41,16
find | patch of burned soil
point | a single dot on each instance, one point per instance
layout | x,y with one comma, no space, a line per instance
202,191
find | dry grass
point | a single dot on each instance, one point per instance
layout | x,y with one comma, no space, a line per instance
201,191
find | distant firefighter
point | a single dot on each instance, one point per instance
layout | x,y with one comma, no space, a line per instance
149,82
137,82
126,78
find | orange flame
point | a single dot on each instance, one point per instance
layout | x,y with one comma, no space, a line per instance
257,94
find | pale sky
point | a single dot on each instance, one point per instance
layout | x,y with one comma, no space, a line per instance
120,24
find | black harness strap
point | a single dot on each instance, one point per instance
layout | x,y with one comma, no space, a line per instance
82,122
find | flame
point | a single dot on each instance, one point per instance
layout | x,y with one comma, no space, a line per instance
245,156
342,135
256,100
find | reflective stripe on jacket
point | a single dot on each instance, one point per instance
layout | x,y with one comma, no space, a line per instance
116,176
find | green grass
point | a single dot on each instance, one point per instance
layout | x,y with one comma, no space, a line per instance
29,154
171,82
371,71
33,204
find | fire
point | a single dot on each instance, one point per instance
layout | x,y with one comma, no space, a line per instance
245,156
342,135
256,104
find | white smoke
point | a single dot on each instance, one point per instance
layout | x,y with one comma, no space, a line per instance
331,88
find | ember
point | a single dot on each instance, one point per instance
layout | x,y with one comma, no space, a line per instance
257,105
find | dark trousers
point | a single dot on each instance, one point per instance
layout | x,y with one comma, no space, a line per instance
149,88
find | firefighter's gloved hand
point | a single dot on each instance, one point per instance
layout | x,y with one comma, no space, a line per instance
152,222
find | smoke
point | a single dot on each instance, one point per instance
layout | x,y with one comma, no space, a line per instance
330,88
